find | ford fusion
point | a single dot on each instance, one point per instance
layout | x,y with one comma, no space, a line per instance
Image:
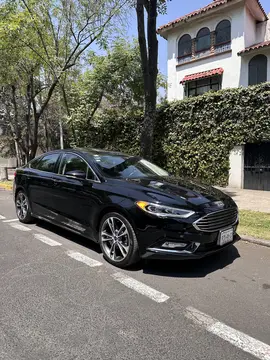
131,207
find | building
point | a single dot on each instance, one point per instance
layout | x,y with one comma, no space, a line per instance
225,44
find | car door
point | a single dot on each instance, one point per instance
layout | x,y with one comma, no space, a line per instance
74,195
41,185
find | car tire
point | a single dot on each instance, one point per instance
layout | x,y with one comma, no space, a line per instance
119,250
23,210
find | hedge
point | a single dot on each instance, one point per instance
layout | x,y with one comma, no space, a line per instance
194,136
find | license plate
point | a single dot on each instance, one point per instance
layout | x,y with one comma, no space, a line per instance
225,237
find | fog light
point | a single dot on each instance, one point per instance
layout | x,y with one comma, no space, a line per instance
173,245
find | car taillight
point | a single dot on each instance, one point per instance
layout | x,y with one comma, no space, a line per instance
15,174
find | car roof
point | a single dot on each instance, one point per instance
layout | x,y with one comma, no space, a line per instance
89,151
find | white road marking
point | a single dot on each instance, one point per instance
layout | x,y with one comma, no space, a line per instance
20,227
47,240
83,258
140,287
2,217
235,337
11,220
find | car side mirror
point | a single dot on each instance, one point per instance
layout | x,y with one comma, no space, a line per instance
78,174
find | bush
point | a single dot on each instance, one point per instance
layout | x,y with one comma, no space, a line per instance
194,137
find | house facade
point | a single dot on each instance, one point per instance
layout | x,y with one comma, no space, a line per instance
225,44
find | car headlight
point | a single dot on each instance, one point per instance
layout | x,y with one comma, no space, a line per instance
164,211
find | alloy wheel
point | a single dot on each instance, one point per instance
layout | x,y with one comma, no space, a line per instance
21,206
115,239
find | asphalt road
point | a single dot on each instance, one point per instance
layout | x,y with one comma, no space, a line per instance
59,299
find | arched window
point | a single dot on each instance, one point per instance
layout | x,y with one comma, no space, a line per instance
185,46
223,32
203,40
257,70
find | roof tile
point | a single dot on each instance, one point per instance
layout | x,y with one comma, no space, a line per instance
212,5
254,47
202,75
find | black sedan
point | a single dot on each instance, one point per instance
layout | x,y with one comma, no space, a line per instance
131,207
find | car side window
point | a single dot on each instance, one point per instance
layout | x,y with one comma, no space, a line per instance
47,163
71,163
33,163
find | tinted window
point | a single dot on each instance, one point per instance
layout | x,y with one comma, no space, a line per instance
127,167
223,32
185,46
33,163
73,162
48,162
203,40
257,72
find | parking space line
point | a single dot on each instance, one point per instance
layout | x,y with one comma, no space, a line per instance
140,287
10,220
20,227
2,217
235,337
83,258
47,240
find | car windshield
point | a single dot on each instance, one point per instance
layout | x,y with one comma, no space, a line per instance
121,166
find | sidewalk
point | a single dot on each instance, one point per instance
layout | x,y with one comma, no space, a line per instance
250,199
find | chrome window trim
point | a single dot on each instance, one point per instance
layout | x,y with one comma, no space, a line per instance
88,167
41,157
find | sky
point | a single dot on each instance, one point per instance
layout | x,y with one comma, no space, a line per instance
177,8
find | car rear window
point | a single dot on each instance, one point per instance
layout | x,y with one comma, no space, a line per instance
47,163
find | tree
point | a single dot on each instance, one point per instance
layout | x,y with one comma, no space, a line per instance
114,83
41,41
149,61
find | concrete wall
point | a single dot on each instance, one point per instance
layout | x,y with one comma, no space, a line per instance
9,162
230,62
236,174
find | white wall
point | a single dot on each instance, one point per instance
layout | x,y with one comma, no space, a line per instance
249,28
236,174
263,32
230,62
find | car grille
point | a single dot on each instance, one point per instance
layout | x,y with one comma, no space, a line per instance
217,220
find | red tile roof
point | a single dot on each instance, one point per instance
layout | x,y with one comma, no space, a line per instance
202,75
214,4
254,47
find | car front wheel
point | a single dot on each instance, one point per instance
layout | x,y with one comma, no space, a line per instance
118,240
22,208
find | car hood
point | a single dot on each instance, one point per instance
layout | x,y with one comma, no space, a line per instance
186,192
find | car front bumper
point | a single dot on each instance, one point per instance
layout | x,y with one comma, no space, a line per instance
171,254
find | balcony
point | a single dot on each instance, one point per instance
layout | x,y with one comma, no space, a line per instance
196,56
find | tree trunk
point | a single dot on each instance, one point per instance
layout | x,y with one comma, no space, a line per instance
149,60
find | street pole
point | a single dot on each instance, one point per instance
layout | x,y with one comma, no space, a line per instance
61,135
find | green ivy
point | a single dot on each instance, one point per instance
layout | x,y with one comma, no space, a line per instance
194,137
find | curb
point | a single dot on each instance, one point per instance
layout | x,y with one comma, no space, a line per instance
6,187
252,240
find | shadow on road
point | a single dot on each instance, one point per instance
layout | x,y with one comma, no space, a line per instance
78,239
174,268
191,268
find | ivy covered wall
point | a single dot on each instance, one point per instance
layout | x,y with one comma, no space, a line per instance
194,137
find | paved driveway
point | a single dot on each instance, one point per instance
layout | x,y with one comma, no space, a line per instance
250,199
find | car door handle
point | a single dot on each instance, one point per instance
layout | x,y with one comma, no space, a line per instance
56,181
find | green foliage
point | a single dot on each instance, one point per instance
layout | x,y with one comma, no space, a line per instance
194,137
113,86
